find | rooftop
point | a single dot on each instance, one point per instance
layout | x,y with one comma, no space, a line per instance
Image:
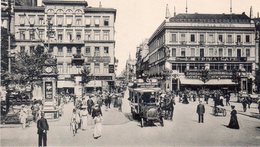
66,2
100,9
211,18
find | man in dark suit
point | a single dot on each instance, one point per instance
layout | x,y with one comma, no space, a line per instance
200,111
43,127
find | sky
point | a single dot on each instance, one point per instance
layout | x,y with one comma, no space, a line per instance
136,20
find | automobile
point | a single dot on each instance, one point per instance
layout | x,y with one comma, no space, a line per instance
144,102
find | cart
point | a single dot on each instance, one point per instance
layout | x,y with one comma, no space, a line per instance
219,110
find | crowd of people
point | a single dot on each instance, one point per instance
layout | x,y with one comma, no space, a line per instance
89,107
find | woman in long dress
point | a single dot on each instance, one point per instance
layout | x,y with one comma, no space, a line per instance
233,123
98,126
84,118
23,116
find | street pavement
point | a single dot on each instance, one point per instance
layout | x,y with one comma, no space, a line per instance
119,129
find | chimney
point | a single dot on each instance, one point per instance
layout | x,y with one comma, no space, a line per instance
251,12
100,5
167,15
230,6
174,12
186,7
257,14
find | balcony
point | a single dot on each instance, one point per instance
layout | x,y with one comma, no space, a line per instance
77,59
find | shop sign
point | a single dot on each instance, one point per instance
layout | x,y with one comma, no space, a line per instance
99,59
213,59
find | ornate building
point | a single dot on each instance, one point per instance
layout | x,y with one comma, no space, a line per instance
204,49
79,36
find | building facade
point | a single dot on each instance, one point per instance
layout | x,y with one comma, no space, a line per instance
79,36
130,70
141,52
204,49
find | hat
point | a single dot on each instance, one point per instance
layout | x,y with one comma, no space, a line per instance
232,106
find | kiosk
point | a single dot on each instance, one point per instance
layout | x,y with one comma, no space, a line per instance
49,80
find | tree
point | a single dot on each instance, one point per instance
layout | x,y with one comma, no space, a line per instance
26,68
4,52
85,75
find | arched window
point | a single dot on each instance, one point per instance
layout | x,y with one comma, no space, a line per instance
69,11
50,11
60,11
78,11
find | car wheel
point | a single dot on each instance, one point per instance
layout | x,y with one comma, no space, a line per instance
224,112
142,122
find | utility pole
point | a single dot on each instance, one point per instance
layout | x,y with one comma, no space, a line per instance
50,31
10,13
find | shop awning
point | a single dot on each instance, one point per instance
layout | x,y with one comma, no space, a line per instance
185,81
220,82
94,84
65,84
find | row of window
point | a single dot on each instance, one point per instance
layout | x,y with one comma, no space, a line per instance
182,67
99,68
87,51
210,38
65,20
69,35
220,52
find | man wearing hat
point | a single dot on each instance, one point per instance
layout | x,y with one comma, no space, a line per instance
90,104
201,111
43,127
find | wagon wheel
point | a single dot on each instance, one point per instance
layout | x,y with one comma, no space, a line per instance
224,112
142,122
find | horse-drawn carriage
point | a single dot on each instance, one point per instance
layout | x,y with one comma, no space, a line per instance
145,104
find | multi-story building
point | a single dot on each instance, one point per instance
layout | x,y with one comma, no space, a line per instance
130,69
141,52
81,36
187,46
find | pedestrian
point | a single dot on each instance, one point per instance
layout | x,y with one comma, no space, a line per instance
201,111
233,123
84,117
23,116
96,111
119,102
90,104
109,100
227,100
75,120
98,126
43,127
100,101
244,103
78,114
171,106
249,101
194,97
